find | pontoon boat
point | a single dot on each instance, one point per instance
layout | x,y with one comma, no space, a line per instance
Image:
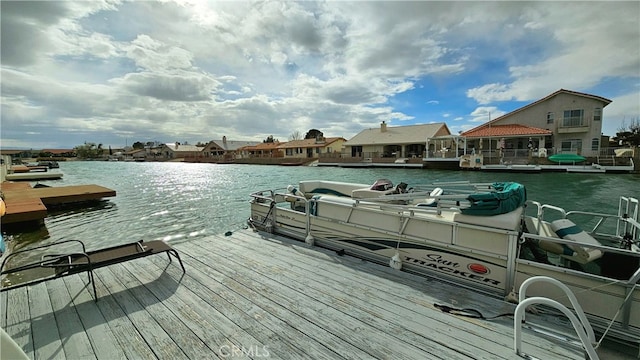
487,237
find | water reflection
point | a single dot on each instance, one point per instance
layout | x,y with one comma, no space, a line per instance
179,202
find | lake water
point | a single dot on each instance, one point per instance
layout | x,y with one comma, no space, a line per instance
179,202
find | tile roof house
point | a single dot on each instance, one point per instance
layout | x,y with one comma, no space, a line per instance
397,141
227,149
563,122
264,149
177,150
312,148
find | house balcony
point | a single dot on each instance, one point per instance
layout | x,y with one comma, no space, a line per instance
572,129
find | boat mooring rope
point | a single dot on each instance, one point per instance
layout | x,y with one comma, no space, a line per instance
472,313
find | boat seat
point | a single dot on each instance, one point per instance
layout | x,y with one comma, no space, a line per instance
571,231
367,193
568,230
336,188
542,228
508,221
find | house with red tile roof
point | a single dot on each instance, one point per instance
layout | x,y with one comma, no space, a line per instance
563,122
262,150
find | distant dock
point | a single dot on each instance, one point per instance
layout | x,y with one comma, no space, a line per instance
25,203
259,296
28,173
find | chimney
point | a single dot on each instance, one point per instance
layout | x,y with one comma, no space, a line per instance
383,126
177,144
224,139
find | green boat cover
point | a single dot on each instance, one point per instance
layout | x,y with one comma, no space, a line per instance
507,197
567,158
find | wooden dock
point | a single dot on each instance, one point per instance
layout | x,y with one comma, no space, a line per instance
255,296
25,203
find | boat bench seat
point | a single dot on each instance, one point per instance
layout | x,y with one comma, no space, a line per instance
508,221
367,193
567,230
336,188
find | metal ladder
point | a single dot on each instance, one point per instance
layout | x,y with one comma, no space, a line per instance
579,320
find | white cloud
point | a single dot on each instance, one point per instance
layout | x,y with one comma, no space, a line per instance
195,70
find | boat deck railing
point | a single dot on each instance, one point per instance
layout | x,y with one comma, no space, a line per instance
627,220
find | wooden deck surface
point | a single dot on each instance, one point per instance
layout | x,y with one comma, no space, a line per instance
25,203
256,296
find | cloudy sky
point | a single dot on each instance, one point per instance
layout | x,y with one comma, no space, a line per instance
116,72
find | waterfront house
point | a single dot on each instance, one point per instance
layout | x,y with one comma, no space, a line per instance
393,142
137,154
262,150
311,148
563,122
177,150
225,150
57,153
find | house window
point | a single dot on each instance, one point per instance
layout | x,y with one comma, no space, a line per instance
572,145
573,117
597,114
317,150
289,152
549,118
595,144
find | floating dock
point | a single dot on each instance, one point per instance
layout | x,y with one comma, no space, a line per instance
254,296
29,173
25,203
33,176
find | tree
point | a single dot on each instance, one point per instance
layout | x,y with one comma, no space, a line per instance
138,145
295,136
629,135
314,134
269,139
88,151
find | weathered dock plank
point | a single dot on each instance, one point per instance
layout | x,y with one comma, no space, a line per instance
251,296
75,343
150,330
47,343
130,341
103,341
373,306
18,324
284,337
347,323
379,299
171,322
361,301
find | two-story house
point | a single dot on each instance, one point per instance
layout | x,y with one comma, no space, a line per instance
563,122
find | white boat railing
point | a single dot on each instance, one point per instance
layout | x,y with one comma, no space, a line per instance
579,320
629,208
627,224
